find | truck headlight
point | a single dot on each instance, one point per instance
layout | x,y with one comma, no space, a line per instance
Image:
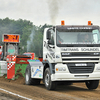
61,69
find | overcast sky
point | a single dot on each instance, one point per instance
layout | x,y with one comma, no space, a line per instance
39,12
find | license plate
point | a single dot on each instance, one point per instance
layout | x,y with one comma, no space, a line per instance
80,64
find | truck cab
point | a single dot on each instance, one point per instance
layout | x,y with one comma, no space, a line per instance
71,53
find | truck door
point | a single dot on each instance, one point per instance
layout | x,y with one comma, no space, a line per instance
51,46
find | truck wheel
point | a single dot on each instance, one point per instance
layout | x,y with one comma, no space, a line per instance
50,85
28,79
92,84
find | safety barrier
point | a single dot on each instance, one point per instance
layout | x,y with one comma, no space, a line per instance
3,68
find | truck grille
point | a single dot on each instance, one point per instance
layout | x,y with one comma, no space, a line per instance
81,69
80,57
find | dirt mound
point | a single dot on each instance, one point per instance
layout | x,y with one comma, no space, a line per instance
19,80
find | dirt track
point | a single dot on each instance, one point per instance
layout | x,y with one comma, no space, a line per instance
77,91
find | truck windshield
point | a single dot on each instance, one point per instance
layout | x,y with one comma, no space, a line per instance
78,37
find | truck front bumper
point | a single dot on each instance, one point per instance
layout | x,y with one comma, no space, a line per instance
67,76
75,77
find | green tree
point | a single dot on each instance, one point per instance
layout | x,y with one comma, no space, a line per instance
25,29
22,27
25,36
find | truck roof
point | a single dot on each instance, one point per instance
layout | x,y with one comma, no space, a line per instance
64,26
69,27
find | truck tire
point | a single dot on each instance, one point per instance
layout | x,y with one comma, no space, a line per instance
92,84
28,79
50,85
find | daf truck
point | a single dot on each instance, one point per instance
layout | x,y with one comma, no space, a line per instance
71,53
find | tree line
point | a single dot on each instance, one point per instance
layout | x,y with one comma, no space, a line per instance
31,36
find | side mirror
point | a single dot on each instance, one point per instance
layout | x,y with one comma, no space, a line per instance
48,35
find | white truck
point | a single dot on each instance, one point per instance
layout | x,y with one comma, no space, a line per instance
70,54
